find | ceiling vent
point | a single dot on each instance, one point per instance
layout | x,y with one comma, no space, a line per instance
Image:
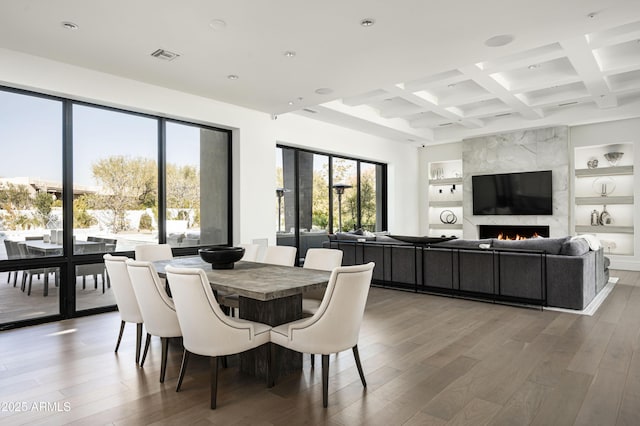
445,124
504,114
567,104
310,110
164,55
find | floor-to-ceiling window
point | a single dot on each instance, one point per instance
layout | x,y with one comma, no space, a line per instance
30,204
115,186
197,182
318,194
80,180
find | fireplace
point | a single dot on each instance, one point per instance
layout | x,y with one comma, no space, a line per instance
512,232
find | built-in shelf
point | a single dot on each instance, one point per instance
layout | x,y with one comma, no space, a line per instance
605,229
448,203
446,181
605,171
618,240
445,226
587,201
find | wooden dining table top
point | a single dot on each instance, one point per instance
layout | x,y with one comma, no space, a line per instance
260,281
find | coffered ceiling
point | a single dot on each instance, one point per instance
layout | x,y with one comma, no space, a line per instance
424,72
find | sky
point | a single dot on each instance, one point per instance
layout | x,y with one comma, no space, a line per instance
31,138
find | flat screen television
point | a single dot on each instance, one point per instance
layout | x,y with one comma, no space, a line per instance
528,193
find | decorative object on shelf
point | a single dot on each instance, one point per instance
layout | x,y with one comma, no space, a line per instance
592,163
448,217
604,186
595,218
437,173
453,188
605,217
608,244
613,157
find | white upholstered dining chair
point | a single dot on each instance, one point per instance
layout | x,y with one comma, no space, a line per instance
158,310
250,252
280,255
125,297
153,252
335,326
324,260
206,330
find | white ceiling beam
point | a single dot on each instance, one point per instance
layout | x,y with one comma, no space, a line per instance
489,84
428,102
581,57
365,98
367,117
522,62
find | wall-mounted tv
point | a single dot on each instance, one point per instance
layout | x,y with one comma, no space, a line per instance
528,193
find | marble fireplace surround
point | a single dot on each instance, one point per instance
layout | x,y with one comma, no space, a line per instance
520,151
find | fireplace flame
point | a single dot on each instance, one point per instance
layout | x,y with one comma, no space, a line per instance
501,236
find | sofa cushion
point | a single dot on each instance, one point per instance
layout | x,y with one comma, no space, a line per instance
347,236
421,240
550,245
574,247
388,240
466,243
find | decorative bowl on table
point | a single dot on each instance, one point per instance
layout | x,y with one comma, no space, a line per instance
221,257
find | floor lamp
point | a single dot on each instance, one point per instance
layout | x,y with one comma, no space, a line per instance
280,193
340,187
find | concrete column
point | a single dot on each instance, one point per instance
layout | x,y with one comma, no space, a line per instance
214,182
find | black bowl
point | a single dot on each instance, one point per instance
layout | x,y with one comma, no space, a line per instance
221,257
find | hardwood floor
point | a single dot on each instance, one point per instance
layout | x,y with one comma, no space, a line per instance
428,360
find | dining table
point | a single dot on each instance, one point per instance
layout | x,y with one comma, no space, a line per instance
270,294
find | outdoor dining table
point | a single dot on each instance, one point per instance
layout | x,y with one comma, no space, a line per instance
42,248
270,294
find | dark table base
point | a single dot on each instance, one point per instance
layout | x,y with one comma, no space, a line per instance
272,312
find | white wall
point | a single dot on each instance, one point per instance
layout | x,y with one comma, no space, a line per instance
254,137
614,132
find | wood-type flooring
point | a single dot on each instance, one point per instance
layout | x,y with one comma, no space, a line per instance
428,360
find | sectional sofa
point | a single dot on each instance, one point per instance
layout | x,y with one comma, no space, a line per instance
557,272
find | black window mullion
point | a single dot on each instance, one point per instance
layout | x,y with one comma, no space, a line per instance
358,198
67,273
162,181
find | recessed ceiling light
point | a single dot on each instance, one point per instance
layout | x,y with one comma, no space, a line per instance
217,24
367,22
69,25
532,66
232,77
324,91
452,85
290,102
290,53
499,40
592,15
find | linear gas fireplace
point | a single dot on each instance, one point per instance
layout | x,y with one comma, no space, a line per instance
512,232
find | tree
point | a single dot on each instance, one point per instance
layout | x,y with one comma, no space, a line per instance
127,184
82,218
15,197
43,203
183,190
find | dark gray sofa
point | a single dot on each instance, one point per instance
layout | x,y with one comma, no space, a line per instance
557,272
